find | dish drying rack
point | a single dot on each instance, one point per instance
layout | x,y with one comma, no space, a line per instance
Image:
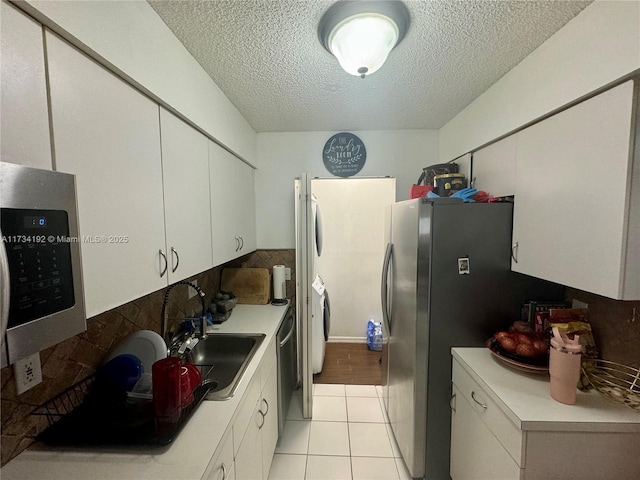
617,382
66,401
87,414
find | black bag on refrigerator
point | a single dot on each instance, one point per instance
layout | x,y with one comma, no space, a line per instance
432,170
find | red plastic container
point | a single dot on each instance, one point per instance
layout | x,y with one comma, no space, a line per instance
167,389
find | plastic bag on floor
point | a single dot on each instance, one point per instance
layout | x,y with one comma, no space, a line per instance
374,335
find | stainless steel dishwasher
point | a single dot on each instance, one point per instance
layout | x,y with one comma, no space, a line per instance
286,366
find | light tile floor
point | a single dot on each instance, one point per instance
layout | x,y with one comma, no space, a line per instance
349,438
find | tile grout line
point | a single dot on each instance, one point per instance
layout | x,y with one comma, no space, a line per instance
348,422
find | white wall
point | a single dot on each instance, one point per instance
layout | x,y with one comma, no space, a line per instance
133,39
599,46
284,156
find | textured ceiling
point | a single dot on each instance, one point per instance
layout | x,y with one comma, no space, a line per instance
266,57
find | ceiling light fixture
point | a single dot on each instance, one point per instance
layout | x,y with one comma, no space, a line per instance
360,34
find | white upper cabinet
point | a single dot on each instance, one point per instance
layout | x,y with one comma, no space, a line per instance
464,167
185,171
108,135
222,167
24,118
233,217
494,168
246,207
577,202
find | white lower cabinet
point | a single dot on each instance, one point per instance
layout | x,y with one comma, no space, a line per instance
269,430
256,439
247,448
476,454
486,444
248,457
221,465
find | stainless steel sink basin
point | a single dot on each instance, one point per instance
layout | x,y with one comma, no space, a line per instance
222,358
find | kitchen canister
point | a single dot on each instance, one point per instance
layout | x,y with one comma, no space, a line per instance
564,367
447,184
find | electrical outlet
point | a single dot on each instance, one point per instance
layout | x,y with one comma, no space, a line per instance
28,373
192,291
287,274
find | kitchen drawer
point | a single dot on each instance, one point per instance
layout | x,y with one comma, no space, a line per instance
221,465
245,411
476,453
490,413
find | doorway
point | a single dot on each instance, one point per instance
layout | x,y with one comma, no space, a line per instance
350,266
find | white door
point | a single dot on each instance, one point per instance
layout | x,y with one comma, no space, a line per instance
304,279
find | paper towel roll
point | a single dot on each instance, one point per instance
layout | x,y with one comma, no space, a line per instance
279,286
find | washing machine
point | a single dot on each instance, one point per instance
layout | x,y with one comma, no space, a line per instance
321,323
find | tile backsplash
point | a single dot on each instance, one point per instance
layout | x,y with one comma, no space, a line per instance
70,361
615,330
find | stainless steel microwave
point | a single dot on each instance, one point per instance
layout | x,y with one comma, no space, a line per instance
40,271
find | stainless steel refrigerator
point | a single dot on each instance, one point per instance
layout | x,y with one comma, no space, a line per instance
446,282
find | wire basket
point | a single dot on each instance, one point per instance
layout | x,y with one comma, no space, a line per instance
66,401
615,381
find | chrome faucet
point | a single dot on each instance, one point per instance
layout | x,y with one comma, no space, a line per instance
203,321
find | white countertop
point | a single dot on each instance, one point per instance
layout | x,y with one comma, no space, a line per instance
525,399
189,454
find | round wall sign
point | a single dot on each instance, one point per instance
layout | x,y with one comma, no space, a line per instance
344,154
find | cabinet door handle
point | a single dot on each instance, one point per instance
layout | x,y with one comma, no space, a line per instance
514,252
237,243
262,424
174,252
166,263
224,471
473,396
241,243
267,404
452,402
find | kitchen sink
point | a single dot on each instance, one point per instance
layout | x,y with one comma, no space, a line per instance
222,359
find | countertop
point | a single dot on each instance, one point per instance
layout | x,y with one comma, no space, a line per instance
189,454
525,399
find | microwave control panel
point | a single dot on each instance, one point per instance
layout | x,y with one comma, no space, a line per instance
38,249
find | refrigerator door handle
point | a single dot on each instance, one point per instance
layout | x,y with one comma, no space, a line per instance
384,290
514,252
